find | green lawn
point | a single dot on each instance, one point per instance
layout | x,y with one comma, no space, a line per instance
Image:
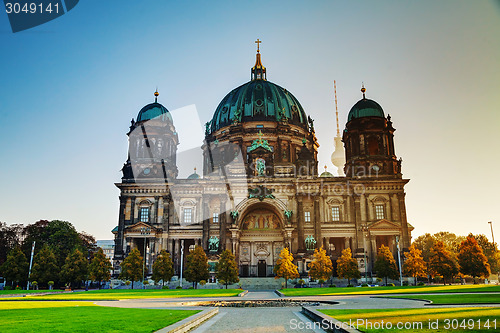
117,294
390,290
457,299
421,320
60,316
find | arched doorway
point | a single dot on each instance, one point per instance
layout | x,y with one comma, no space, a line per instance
261,241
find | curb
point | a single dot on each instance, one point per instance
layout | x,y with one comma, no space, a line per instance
243,293
189,323
279,293
327,323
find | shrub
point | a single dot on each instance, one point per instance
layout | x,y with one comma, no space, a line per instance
203,282
390,285
178,287
127,283
191,288
350,285
18,288
364,285
421,283
379,280
165,287
405,283
7,288
333,286
301,282
145,282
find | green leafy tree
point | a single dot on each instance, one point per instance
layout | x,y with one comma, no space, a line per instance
227,268
285,268
100,267
414,265
472,260
442,263
450,240
15,268
385,265
321,266
75,268
425,243
163,268
347,266
9,239
45,266
197,266
132,267
491,252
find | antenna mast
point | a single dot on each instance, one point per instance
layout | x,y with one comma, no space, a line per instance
336,109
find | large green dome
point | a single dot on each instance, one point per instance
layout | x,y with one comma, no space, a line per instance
152,111
257,101
365,108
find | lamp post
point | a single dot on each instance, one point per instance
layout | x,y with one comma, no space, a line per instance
144,231
492,236
182,259
364,228
399,262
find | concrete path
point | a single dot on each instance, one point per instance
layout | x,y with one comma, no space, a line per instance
258,320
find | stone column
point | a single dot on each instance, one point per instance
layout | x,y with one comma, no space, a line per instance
132,211
317,222
300,224
395,207
222,224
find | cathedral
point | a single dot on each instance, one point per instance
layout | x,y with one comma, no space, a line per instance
260,189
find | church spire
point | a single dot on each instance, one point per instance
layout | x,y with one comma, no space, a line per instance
258,70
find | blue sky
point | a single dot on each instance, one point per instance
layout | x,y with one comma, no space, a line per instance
70,87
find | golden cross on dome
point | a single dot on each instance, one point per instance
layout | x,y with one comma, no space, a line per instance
258,41
260,136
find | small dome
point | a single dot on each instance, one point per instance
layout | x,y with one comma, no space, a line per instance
365,108
326,174
152,111
194,175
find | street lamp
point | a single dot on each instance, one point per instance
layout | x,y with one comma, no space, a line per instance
399,262
144,231
182,258
364,228
492,236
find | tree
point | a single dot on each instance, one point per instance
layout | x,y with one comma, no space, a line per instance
15,268
163,268
414,265
227,268
450,240
321,266
9,239
424,243
385,265
197,266
285,268
472,260
75,268
45,266
100,267
132,267
490,250
347,266
441,262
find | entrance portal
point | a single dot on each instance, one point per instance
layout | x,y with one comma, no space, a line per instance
261,268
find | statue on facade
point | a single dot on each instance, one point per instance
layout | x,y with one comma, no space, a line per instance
310,242
213,244
261,167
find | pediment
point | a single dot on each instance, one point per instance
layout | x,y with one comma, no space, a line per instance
383,224
138,227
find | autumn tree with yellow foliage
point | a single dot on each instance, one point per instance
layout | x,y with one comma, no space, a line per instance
347,266
285,268
321,266
414,265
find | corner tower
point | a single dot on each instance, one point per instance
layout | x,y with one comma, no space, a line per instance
369,141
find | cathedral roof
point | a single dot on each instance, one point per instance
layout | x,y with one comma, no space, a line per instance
258,100
365,108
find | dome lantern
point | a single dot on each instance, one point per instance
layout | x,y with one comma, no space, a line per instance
258,70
